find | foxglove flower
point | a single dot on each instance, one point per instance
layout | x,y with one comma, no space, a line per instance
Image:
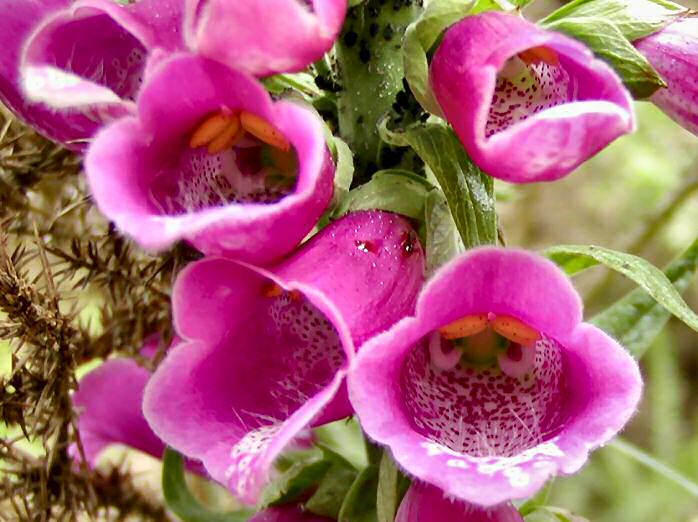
425,503
267,350
527,104
17,20
99,80
213,161
109,403
673,52
495,384
263,37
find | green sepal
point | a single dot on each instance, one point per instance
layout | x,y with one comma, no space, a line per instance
180,500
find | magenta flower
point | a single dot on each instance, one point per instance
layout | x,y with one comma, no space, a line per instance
425,503
267,350
263,37
61,71
214,161
673,52
495,385
17,20
109,401
527,104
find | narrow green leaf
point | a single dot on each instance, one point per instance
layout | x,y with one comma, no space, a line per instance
636,319
396,191
334,487
344,171
634,18
360,503
180,500
655,465
648,277
300,471
608,42
302,83
387,494
469,191
443,242
420,36
344,438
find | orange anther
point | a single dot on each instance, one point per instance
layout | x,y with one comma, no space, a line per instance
226,138
209,129
540,54
465,326
271,289
263,131
515,330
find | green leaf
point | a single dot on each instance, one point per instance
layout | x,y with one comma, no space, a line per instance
608,43
634,18
552,514
469,191
392,486
344,171
396,191
180,500
344,438
360,503
420,36
302,83
329,496
636,319
300,471
443,242
648,277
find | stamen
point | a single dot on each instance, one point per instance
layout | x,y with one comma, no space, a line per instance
465,326
227,137
515,330
540,54
271,289
210,128
263,131
443,361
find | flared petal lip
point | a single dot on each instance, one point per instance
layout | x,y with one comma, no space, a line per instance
378,365
155,231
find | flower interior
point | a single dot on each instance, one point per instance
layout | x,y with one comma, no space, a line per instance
485,385
230,157
534,80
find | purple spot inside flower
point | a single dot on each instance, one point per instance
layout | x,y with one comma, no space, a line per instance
483,411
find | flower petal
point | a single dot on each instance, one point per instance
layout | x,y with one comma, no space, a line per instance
109,404
527,104
673,52
480,435
425,503
264,37
270,347
17,20
146,178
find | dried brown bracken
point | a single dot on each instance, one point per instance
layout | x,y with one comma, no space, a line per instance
58,260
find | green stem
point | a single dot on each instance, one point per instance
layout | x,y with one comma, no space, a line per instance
655,465
370,61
